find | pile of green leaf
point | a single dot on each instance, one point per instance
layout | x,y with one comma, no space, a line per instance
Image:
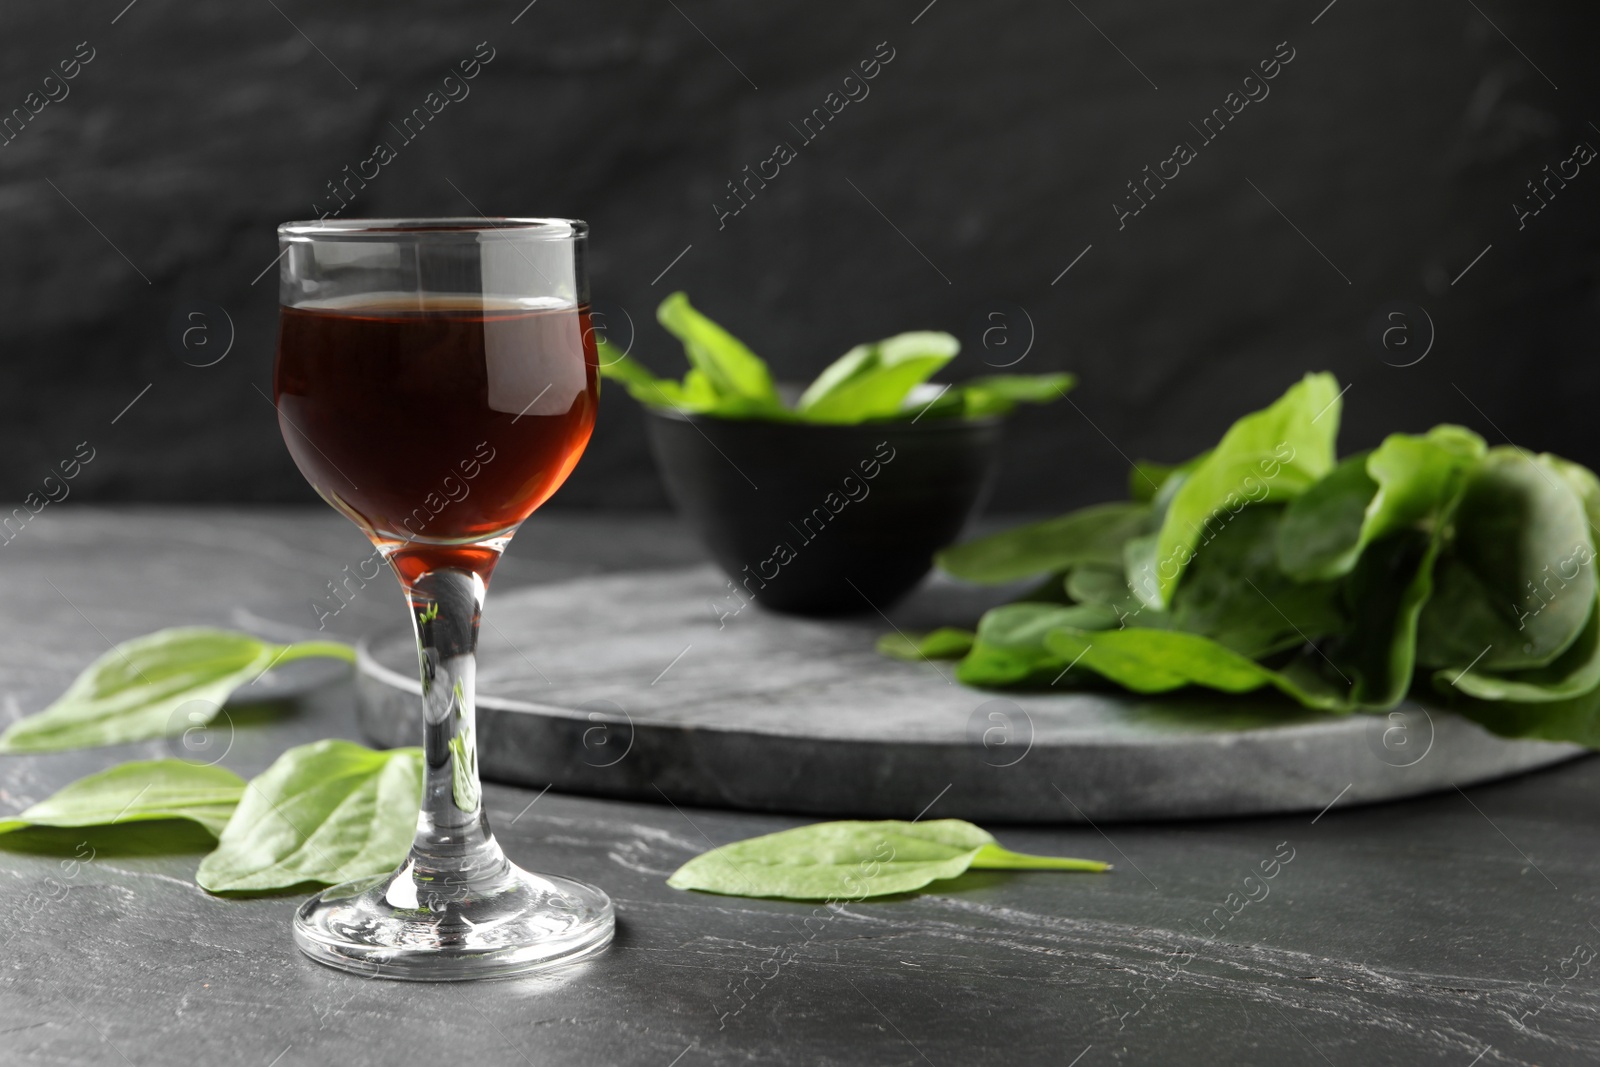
322,812
1432,566
877,381
333,811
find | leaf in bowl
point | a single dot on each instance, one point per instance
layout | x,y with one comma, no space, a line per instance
872,381
997,394
730,369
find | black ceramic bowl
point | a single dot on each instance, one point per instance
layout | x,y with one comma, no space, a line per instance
824,520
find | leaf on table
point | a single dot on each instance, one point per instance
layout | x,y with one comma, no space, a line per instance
947,642
995,858
326,812
1089,535
871,381
140,791
1272,454
836,861
1515,585
135,691
729,366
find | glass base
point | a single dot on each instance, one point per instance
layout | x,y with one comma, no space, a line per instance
513,923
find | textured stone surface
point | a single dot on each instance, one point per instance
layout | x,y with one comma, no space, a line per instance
1428,932
995,142
628,684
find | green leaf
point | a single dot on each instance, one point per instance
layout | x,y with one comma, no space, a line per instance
634,376
1231,609
1418,478
135,691
1106,585
872,381
855,860
1571,674
1408,480
1024,388
946,642
1272,454
995,858
1321,533
1580,480
1575,719
1010,645
1374,659
998,394
142,791
326,812
1147,478
1159,661
730,368
695,394
929,403
1516,583
1234,593
1090,535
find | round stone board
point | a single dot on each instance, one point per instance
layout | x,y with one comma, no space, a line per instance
659,686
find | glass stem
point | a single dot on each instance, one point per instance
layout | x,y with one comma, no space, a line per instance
454,849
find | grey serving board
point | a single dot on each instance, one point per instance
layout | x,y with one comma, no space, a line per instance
649,685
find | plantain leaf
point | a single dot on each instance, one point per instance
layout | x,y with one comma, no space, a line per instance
872,381
729,367
1090,535
1571,674
1409,480
137,690
1235,594
325,812
1272,454
141,791
856,860
947,642
1516,583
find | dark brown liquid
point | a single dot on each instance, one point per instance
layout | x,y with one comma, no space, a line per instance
436,426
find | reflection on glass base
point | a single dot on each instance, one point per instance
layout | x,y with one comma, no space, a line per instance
517,923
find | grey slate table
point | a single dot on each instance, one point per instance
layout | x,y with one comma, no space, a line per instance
1457,929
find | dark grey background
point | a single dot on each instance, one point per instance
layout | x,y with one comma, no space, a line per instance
984,161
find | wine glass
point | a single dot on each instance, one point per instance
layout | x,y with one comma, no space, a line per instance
436,381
